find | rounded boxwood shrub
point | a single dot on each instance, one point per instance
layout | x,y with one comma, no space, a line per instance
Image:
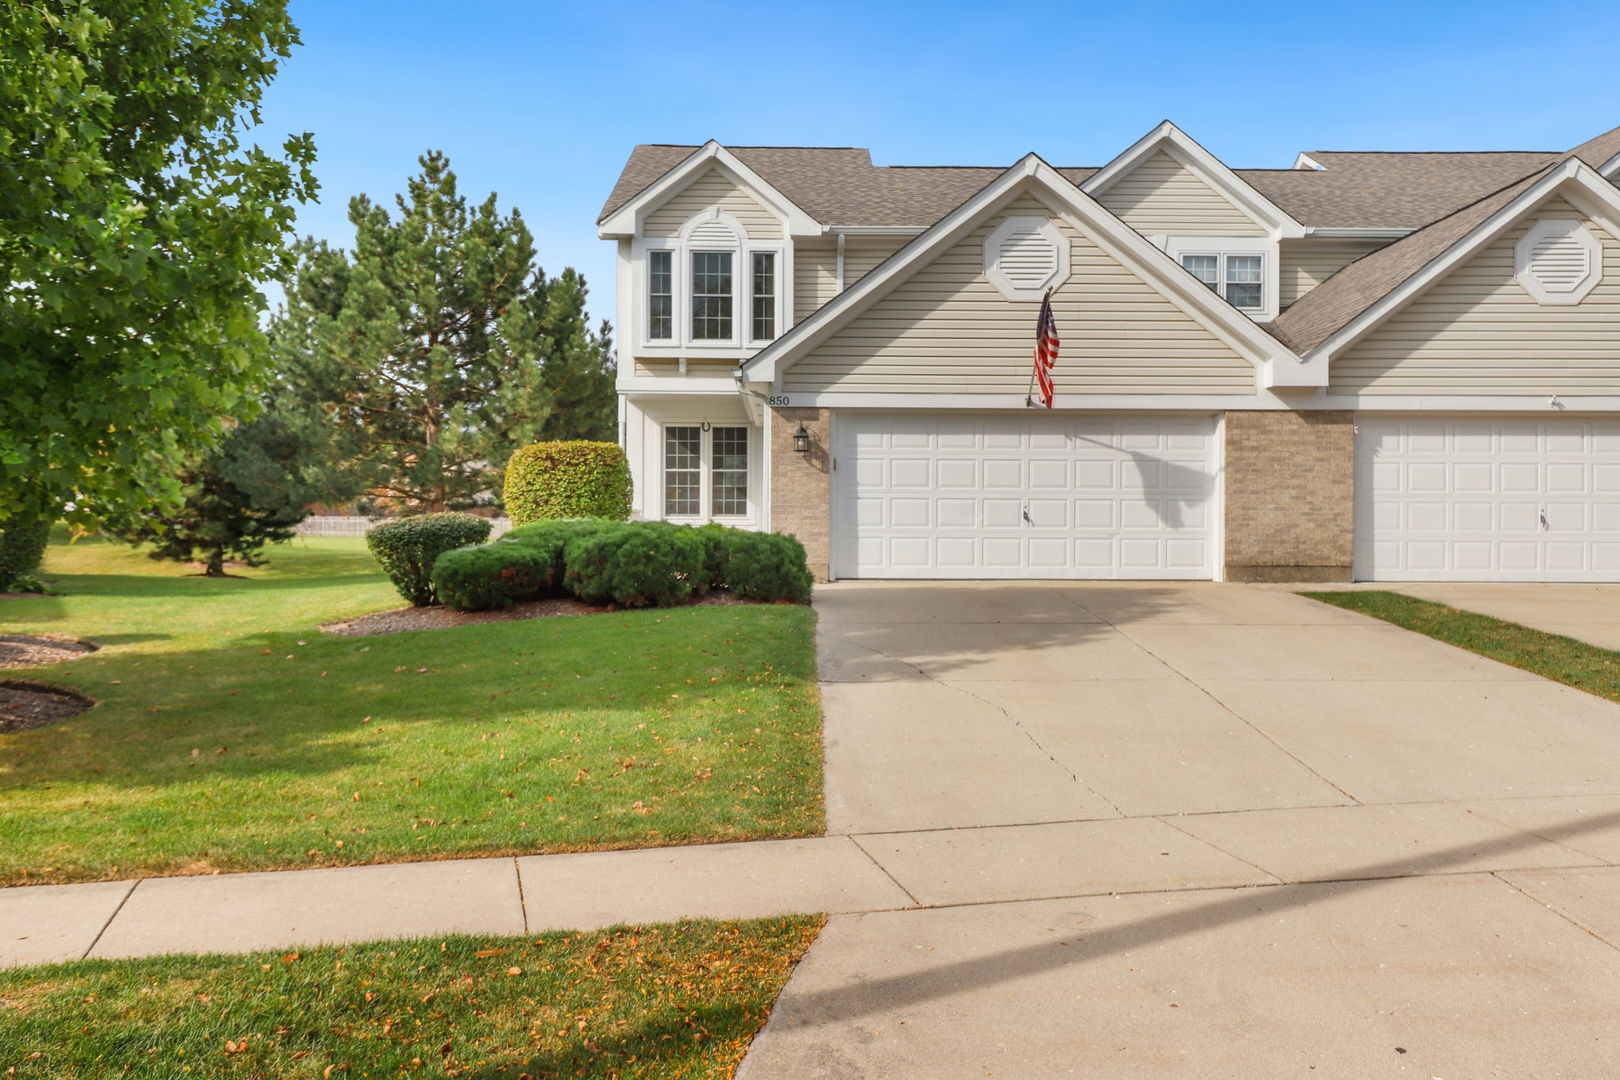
407,549
551,536
575,479
766,566
494,575
644,564
22,547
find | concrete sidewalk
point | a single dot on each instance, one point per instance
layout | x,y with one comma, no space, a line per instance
861,873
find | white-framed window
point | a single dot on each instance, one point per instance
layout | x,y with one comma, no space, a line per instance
661,295
1240,269
1239,276
762,294
706,471
712,295
710,290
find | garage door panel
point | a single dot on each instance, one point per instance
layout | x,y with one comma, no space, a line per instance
1024,496
1488,499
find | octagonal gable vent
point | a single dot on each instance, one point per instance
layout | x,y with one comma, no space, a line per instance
1025,256
1558,261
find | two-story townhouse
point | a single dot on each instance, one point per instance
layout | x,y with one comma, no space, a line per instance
1371,366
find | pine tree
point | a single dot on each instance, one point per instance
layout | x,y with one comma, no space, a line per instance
438,347
247,493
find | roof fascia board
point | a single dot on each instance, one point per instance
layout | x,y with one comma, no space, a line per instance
628,219
1610,169
1602,204
1305,163
1211,169
1086,216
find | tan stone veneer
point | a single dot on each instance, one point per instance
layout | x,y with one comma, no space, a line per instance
800,497
1290,495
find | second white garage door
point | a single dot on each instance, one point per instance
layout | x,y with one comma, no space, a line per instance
938,495
1489,499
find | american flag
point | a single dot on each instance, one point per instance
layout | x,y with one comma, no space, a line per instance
1046,349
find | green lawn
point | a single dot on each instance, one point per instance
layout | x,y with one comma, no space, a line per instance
232,734
678,1000
1552,656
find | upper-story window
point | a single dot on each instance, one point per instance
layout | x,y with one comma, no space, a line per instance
763,289
711,286
1238,276
711,296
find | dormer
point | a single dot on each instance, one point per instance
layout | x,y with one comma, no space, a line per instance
1203,215
706,262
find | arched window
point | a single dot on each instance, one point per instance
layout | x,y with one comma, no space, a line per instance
712,286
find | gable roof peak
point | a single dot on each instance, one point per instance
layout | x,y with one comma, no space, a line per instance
1186,150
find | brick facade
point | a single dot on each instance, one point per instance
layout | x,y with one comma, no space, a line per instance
1290,495
800,483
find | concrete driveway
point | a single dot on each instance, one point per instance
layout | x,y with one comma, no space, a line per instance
1202,830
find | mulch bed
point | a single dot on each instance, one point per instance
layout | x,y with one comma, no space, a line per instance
438,618
27,650
29,705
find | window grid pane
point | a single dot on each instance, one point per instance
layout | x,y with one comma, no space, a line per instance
1206,268
729,477
711,295
764,310
1243,280
660,294
683,471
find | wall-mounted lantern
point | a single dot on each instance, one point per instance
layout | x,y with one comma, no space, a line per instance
801,441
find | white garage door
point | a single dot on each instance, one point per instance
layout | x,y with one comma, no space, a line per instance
1038,496
1493,499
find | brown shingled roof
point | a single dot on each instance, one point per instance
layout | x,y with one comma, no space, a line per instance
1390,190
841,186
1332,305
1596,152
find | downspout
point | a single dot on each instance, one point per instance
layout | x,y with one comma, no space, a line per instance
840,262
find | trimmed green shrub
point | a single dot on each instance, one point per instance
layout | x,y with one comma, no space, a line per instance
716,553
643,564
551,536
22,548
494,575
408,548
766,566
575,479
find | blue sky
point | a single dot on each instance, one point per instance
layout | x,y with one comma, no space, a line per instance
541,101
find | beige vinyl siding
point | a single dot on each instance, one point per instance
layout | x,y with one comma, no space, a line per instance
1308,263
1161,195
815,269
861,257
815,277
710,189
1477,332
947,330
656,366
